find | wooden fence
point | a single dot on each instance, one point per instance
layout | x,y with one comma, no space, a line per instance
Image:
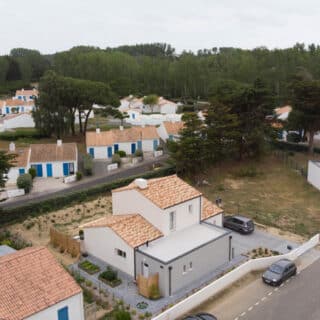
145,284
64,242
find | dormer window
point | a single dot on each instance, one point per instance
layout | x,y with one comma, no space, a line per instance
190,208
172,225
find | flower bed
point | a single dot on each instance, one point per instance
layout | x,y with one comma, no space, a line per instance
262,253
110,277
89,267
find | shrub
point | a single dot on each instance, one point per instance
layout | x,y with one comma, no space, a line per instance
121,153
32,172
154,292
79,176
25,182
21,134
250,172
138,153
159,148
89,267
293,137
116,159
110,277
87,165
121,315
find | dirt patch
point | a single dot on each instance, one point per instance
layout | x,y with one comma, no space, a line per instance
234,184
286,235
68,220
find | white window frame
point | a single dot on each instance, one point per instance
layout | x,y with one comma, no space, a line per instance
172,221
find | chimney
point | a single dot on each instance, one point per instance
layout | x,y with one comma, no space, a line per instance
121,128
12,147
141,183
98,130
22,89
59,143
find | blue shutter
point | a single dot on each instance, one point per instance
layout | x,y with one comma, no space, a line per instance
109,152
116,148
140,145
66,169
22,171
91,152
133,148
7,110
155,144
170,137
63,314
49,170
39,170
133,116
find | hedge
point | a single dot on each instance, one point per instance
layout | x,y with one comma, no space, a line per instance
21,213
289,146
21,133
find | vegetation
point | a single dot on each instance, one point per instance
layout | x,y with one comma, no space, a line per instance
110,277
33,172
151,100
121,153
25,182
21,134
6,162
88,165
138,153
116,158
89,267
154,292
13,240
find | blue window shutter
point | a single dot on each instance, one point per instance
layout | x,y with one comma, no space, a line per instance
91,152
133,148
109,152
49,170
22,171
116,147
63,314
140,145
66,169
155,144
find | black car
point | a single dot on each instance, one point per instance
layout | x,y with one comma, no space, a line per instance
239,223
279,272
206,316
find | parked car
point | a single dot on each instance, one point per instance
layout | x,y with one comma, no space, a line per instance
279,272
201,316
239,223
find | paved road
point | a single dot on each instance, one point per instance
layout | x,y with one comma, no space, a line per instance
253,300
83,185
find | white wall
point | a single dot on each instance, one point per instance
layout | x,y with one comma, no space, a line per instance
314,174
216,220
23,121
13,175
228,279
169,108
102,243
162,132
57,168
147,145
75,308
131,201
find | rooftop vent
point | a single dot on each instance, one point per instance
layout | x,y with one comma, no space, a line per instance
59,143
141,183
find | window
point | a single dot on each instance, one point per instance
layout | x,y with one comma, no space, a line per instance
190,208
184,269
63,314
121,253
71,168
190,266
172,220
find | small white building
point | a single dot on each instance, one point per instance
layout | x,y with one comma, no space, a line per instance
170,130
103,144
34,286
16,120
314,173
16,106
26,95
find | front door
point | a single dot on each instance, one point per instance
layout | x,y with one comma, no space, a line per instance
116,148
155,144
49,170
91,152
66,169
109,152
133,148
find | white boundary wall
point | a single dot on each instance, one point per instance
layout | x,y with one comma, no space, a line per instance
228,279
314,174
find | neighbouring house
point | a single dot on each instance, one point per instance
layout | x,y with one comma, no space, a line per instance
283,113
16,120
170,130
26,95
16,106
34,286
130,102
49,160
162,229
314,173
103,144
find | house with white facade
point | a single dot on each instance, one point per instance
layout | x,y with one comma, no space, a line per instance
161,227
49,160
103,144
26,95
169,130
9,106
34,286
16,120
314,173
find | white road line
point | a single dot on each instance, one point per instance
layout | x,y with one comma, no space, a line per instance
257,303
249,309
264,298
242,314
270,293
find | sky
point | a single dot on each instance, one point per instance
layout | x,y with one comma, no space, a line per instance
56,25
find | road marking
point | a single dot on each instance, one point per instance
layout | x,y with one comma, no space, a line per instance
264,298
257,303
242,314
249,309
270,293
276,289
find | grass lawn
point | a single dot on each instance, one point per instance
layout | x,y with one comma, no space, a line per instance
277,196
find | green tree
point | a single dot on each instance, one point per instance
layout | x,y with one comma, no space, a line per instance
151,100
6,162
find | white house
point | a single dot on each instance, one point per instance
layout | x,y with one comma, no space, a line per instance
161,227
314,173
34,286
103,144
49,160
170,130
16,106
26,95
283,113
130,102
16,120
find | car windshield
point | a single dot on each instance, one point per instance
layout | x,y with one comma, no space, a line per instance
276,269
249,223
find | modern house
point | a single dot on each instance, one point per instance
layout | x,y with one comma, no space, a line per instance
26,95
162,228
49,160
34,286
170,130
103,144
16,106
16,120
314,173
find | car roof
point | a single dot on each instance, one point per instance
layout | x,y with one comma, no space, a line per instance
283,262
245,219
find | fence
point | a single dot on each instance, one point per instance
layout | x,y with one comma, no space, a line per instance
64,242
145,284
228,279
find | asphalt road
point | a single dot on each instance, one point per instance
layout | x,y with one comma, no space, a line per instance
82,185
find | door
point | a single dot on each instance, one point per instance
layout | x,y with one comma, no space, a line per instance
38,168
66,169
63,314
155,144
7,110
116,148
49,170
140,145
91,152
109,152
22,171
133,148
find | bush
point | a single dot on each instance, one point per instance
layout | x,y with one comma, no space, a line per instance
154,292
116,159
247,172
89,267
159,148
121,153
32,172
293,137
121,315
25,182
21,134
88,165
110,277
79,176
138,153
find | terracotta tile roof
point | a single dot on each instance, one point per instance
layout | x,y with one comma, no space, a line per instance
22,157
162,101
282,110
209,209
33,92
165,192
132,228
173,127
53,152
107,138
32,280
17,103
